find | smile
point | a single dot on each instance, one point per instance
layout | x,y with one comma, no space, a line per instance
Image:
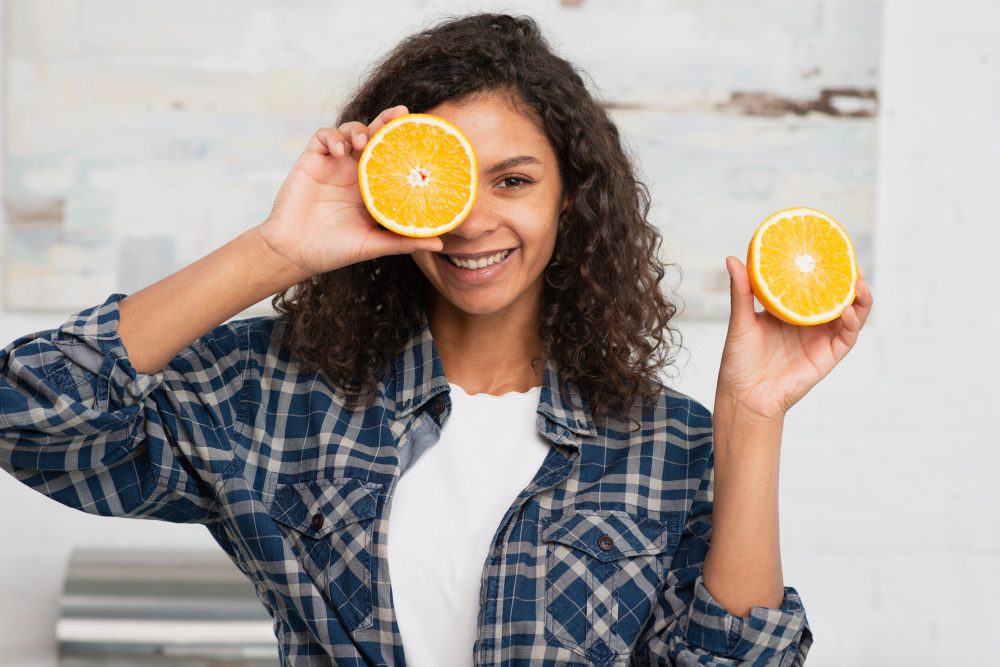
481,262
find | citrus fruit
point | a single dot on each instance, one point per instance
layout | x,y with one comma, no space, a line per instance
418,175
802,266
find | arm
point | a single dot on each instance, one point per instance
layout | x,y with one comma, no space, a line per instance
743,566
118,412
767,366
79,424
318,224
125,409
692,626
160,320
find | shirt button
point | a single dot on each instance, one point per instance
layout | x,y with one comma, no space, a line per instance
317,521
437,405
605,542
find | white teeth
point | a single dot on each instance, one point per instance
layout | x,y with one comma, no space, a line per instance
479,263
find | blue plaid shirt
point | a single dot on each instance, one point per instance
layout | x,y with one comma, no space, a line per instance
597,562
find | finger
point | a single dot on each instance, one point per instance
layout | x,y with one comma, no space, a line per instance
863,301
385,117
356,134
862,292
740,294
391,243
853,319
327,141
847,334
851,322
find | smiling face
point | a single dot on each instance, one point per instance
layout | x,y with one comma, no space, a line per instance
493,262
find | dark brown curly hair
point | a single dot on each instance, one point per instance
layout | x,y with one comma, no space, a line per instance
603,319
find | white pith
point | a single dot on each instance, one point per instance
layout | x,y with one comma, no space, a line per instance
420,177
805,263
479,263
818,318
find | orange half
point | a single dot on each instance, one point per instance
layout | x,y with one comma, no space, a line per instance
802,266
418,175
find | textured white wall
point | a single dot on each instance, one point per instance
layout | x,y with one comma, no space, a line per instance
890,505
890,501
142,132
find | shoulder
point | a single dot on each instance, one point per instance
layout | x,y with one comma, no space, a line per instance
682,407
681,427
673,409
234,345
264,342
672,424
259,335
668,413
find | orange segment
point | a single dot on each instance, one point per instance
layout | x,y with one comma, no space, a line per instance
802,266
418,175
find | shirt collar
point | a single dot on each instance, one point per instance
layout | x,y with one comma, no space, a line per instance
420,376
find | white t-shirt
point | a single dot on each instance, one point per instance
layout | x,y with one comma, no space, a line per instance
446,508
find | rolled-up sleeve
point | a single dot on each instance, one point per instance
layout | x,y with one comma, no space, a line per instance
692,627
79,424
767,636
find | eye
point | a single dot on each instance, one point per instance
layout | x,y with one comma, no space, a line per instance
515,182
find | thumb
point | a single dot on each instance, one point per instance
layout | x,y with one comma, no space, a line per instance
391,243
740,294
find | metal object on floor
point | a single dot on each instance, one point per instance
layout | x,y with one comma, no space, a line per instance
163,608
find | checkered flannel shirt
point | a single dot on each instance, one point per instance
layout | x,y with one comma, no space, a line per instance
597,562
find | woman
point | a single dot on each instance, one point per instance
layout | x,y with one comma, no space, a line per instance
557,504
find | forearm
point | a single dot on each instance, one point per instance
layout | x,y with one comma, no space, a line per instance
160,320
743,566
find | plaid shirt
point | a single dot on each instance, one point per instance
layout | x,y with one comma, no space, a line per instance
598,561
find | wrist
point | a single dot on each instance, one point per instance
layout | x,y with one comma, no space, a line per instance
277,271
732,406
737,428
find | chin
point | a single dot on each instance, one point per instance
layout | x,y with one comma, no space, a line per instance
478,306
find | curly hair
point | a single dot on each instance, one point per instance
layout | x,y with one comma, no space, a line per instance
603,317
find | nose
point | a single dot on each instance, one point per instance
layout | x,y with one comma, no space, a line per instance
480,222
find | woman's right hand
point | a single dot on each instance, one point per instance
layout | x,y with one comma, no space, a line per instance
319,221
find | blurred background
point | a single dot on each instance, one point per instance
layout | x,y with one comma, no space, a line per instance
138,136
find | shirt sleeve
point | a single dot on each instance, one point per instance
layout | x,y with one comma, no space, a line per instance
694,629
79,424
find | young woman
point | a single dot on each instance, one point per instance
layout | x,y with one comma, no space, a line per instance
462,466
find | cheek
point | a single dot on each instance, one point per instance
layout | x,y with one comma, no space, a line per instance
543,240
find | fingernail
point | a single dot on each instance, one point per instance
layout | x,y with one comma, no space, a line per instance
338,149
362,138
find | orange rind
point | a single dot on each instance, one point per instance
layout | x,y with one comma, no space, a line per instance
418,175
802,266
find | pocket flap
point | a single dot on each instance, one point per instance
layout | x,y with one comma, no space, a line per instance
611,534
339,501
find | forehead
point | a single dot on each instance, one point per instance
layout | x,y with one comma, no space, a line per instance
496,127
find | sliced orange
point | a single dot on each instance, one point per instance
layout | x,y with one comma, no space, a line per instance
418,175
802,266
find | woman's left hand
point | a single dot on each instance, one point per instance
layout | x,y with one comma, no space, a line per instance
768,364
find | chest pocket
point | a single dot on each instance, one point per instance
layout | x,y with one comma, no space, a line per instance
329,525
604,570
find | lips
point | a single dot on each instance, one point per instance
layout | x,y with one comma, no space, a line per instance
478,261
475,275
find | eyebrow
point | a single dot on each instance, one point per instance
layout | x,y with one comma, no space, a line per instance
513,162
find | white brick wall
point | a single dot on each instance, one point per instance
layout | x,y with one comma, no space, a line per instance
890,504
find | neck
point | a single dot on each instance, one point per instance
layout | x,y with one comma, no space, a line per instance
490,353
